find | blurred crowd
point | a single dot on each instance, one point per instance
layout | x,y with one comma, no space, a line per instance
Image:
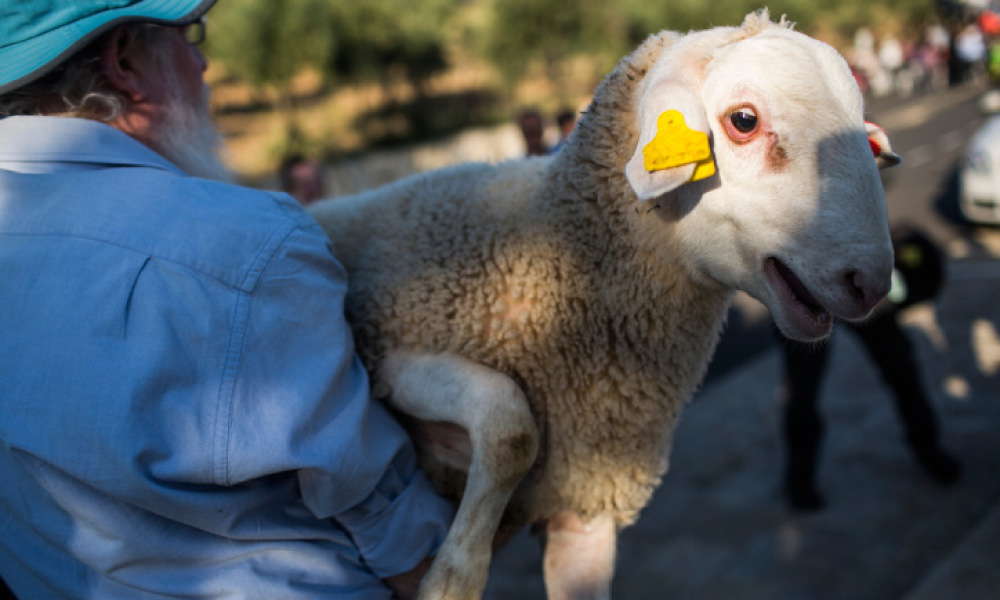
944,55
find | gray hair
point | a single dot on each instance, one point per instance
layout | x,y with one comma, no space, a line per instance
78,86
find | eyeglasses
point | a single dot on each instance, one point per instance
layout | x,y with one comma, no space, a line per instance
195,31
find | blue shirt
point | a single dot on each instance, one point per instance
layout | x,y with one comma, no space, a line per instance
181,409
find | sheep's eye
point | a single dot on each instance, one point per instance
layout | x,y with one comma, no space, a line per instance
743,120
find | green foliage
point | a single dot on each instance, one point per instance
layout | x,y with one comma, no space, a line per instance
373,36
523,31
843,16
269,41
551,30
266,42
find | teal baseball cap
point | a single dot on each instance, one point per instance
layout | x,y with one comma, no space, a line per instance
37,35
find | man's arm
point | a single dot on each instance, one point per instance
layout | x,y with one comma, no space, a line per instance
302,402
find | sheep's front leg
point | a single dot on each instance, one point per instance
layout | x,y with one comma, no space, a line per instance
504,438
579,557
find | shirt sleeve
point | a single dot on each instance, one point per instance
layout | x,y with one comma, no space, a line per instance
301,402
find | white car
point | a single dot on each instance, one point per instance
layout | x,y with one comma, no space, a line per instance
979,187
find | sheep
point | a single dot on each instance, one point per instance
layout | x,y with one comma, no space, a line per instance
537,325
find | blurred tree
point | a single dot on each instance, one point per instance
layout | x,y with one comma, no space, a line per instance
549,31
267,42
375,38
646,17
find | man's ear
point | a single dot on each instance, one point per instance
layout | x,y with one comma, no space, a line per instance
674,144
119,66
879,142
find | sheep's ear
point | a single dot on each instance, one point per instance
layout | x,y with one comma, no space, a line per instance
879,141
674,145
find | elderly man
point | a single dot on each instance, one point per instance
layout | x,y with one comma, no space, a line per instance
181,410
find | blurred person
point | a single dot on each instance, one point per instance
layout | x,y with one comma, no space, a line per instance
933,70
993,61
181,410
989,23
970,51
938,37
939,42
566,120
911,77
865,59
533,131
302,179
892,60
918,277
861,80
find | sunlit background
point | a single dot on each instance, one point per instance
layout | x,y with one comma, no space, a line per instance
335,78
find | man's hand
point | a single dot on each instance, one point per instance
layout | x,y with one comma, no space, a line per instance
405,585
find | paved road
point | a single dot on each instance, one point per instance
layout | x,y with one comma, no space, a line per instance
931,133
718,529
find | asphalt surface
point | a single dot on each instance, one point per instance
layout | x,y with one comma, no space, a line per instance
719,528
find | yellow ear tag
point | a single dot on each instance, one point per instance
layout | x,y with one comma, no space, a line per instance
676,144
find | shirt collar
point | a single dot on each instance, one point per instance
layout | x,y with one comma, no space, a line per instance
55,140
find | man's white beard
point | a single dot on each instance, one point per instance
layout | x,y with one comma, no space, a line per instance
188,138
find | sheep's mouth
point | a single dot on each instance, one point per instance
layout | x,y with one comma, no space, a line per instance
801,308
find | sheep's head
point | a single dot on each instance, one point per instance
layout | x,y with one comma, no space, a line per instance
789,206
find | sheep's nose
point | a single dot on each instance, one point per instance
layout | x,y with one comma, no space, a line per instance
865,290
